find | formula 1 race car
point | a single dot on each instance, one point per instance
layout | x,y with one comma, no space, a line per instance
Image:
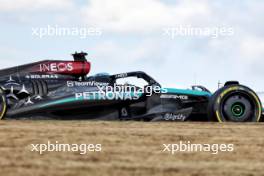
62,90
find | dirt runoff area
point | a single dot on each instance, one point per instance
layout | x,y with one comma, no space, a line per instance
130,148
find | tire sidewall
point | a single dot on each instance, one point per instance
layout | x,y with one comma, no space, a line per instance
3,104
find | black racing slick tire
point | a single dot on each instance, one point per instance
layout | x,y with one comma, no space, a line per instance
235,103
3,106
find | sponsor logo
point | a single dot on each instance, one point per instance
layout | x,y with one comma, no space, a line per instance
174,117
122,75
56,67
124,112
107,96
181,97
85,84
42,76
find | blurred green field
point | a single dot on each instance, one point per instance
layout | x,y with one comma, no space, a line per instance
130,148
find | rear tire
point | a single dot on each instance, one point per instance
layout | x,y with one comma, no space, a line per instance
3,106
235,103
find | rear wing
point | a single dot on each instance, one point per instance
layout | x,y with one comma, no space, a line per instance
80,67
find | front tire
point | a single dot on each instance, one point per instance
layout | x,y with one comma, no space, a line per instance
3,106
235,103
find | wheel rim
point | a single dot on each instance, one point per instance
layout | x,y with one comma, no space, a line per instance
237,108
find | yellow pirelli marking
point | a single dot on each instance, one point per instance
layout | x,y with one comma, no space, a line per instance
228,90
218,100
218,117
259,106
4,108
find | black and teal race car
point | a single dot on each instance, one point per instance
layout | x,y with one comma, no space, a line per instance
62,90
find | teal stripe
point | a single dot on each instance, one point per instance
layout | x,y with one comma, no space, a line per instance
169,91
187,92
62,101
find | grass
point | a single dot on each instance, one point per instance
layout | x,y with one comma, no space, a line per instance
130,148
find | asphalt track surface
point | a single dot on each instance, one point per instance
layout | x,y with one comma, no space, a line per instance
130,148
